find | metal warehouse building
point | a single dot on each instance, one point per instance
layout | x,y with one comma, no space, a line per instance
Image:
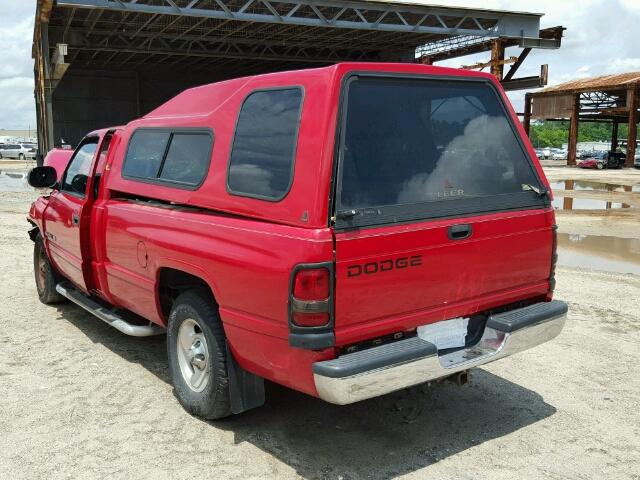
104,62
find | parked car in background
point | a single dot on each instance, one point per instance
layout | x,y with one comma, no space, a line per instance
603,160
28,150
636,160
543,153
16,150
558,154
5,148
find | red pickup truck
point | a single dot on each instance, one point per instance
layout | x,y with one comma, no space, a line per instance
345,231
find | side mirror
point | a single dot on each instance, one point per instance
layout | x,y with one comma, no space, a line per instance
43,177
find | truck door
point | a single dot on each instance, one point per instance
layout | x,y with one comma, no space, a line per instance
68,214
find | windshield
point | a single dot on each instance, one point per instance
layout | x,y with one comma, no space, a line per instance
409,142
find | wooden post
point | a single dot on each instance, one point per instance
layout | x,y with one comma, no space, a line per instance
526,120
497,58
632,101
567,204
573,130
614,135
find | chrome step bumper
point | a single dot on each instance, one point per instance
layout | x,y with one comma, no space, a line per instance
379,370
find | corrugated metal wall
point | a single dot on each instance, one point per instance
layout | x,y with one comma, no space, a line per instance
87,100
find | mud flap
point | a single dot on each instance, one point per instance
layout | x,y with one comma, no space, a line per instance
33,233
246,390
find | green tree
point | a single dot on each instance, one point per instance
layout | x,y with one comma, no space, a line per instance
554,134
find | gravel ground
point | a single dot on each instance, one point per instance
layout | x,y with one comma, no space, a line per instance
80,400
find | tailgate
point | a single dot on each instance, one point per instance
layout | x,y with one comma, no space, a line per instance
395,278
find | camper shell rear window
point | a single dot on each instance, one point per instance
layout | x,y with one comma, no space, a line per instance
415,148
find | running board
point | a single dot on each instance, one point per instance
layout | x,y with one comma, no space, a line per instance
106,315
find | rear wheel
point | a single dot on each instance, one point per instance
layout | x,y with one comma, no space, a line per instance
21,156
600,166
196,347
46,278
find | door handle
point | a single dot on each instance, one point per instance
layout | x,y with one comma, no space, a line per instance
460,232
75,218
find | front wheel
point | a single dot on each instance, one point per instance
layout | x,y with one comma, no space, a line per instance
46,278
600,166
196,347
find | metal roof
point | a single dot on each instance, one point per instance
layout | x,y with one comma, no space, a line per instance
620,81
126,34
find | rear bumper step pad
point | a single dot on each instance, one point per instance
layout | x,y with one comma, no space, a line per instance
379,370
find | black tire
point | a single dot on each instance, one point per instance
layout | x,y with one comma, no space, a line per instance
212,402
46,278
20,156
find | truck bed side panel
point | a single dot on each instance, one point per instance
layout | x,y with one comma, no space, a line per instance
246,263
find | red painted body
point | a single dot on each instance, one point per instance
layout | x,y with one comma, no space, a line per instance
245,249
58,158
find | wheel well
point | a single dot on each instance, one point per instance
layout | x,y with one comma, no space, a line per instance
172,282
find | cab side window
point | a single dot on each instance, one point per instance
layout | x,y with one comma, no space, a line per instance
146,150
187,158
178,158
77,174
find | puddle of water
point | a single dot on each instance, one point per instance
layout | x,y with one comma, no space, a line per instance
14,182
569,203
587,185
611,254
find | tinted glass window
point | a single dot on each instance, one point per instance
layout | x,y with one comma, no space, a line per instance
187,159
263,150
75,179
415,141
144,156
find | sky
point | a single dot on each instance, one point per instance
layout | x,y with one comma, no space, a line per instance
602,37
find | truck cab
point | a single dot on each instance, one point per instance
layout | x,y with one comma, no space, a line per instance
345,231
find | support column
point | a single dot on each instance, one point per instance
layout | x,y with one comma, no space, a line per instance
526,120
573,130
497,58
614,135
632,101
47,107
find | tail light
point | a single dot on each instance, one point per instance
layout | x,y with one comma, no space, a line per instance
310,297
311,291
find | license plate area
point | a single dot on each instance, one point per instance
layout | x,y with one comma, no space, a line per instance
453,334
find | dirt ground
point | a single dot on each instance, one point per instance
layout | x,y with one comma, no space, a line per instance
80,400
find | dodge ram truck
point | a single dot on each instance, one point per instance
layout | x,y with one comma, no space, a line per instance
345,231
